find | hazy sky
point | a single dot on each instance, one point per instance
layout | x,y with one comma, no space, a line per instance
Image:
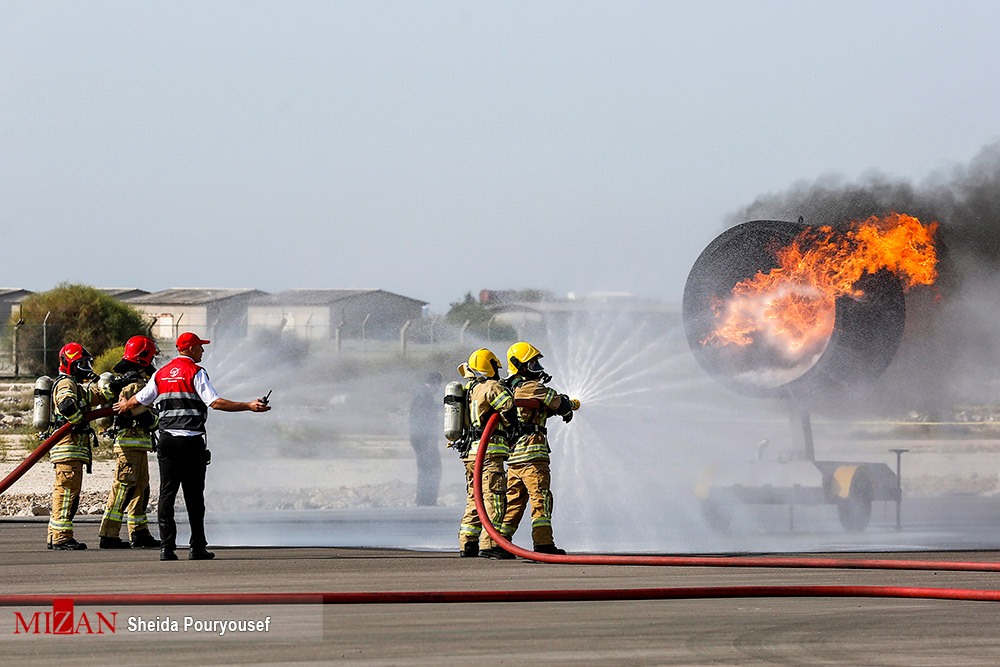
434,148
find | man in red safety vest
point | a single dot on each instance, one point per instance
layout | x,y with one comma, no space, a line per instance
182,394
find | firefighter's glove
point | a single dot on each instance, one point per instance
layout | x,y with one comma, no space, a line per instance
565,407
568,417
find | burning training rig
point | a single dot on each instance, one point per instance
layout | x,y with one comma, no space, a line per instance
788,311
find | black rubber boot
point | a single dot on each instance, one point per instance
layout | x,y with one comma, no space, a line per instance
200,554
497,553
469,550
167,554
549,549
114,543
144,540
68,545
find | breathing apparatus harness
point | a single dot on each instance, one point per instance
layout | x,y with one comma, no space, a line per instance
459,432
145,420
59,418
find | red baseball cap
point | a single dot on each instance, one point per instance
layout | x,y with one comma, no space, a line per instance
187,340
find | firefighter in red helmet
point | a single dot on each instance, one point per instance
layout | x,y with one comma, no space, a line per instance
132,433
74,394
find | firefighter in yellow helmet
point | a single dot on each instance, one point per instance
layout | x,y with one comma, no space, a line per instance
133,440
74,394
528,474
485,395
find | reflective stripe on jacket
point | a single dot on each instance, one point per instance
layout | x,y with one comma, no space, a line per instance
485,398
76,400
177,402
533,446
134,436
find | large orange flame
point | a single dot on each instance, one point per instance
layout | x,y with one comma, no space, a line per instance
791,309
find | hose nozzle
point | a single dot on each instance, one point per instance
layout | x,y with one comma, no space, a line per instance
575,402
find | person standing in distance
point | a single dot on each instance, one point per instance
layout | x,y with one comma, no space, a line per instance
425,429
181,393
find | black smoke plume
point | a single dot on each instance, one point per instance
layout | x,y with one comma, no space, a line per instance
951,350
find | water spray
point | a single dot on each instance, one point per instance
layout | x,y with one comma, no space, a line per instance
696,561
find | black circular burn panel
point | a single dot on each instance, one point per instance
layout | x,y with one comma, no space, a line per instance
866,333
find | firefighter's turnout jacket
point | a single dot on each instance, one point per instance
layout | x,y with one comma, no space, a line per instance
71,401
485,398
533,445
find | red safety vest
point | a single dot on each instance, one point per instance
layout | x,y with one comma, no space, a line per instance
177,401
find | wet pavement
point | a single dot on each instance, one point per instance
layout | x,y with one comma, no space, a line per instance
737,631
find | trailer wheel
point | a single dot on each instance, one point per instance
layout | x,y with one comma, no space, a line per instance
855,511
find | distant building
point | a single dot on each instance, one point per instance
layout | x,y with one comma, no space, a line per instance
529,317
10,297
207,312
123,293
318,314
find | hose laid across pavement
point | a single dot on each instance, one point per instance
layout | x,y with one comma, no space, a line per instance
699,561
573,595
557,595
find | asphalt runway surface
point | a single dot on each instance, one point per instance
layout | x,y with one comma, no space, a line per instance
725,631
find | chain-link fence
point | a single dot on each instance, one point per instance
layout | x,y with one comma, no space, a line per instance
28,350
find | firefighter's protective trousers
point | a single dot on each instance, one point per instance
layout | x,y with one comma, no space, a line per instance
129,494
529,483
494,497
65,500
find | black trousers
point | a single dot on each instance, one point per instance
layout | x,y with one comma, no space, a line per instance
182,462
428,469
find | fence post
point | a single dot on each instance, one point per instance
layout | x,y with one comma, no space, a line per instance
17,367
364,340
461,333
45,341
402,337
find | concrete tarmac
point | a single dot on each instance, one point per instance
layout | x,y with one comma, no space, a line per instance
749,631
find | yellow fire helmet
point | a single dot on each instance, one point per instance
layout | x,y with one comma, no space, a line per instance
484,362
519,354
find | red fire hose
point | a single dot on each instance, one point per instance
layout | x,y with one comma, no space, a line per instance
699,561
46,445
573,595
552,595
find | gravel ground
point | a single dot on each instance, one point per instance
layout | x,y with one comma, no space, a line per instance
272,484
32,494
290,485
